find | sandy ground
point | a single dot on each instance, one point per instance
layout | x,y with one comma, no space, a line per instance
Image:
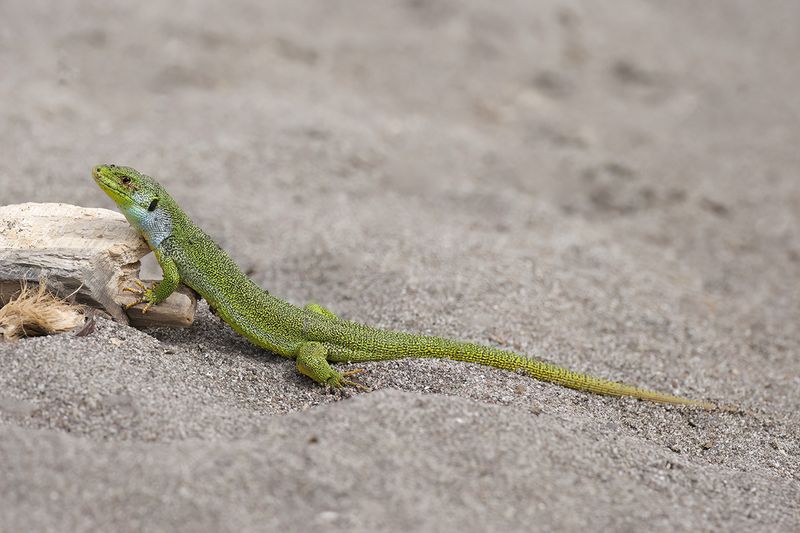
615,190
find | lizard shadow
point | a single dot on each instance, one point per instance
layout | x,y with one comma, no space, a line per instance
210,333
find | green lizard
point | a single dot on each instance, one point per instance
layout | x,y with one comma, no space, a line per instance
312,336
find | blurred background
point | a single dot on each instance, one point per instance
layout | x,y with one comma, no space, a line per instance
675,115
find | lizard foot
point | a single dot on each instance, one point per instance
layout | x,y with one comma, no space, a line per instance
312,362
144,296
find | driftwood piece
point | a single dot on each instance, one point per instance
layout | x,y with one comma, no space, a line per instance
87,254
177,311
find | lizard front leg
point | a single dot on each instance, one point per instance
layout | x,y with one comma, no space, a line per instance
161,290
312,361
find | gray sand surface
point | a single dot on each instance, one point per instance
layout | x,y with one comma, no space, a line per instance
613,189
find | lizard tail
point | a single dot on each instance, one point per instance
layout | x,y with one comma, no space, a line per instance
544,371
396,345
575,380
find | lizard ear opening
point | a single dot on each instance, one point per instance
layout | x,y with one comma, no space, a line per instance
153,205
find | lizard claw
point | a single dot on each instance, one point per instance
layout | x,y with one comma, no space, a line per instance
350,382
144,293
142,287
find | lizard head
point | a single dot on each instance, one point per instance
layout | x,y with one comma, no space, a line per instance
139,197
131,190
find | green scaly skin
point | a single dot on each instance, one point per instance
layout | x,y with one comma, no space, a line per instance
312,335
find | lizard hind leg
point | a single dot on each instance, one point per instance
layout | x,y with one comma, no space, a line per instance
316,308
312,361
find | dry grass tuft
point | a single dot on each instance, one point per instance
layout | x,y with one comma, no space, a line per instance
37,312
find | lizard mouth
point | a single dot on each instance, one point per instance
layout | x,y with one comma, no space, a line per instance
106,180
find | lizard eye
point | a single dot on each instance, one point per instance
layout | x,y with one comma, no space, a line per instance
153,205
126,180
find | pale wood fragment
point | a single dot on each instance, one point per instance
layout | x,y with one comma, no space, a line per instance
88,254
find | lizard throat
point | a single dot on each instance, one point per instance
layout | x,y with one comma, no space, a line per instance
154,226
